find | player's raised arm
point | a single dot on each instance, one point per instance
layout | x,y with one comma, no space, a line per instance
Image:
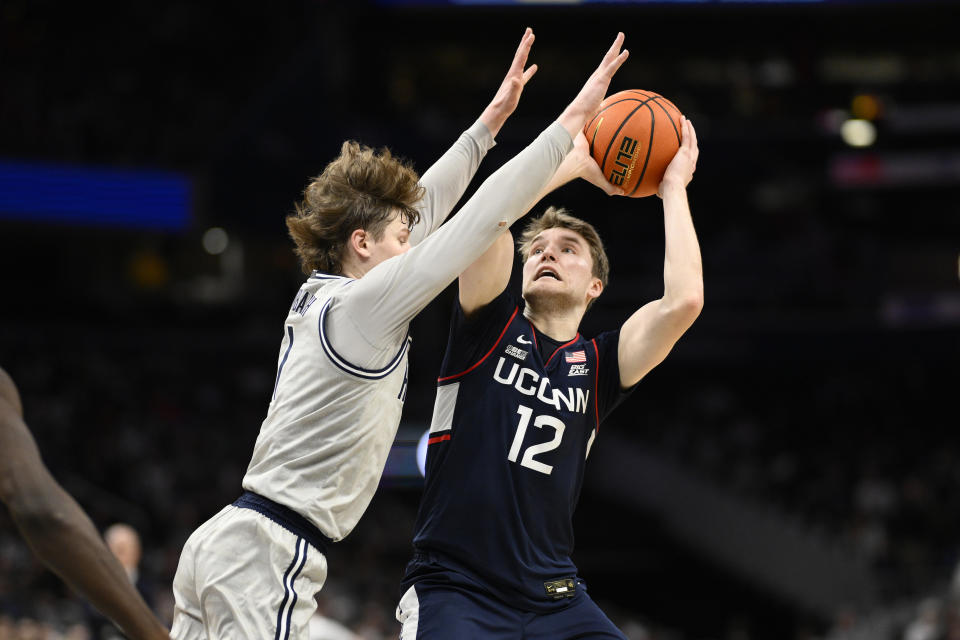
650,333
393,292
57,529
446,180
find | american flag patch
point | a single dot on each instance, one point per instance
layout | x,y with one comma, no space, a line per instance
576,356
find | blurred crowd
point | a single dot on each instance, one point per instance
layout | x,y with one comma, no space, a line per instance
857,451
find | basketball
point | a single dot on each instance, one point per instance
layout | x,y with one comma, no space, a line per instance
633,138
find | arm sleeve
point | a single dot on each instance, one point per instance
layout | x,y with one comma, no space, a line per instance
378,307
448,178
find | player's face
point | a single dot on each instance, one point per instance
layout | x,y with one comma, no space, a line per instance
395,240
560,268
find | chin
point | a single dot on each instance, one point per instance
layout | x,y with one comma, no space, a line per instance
547,299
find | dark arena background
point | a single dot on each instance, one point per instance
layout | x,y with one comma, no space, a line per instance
791,471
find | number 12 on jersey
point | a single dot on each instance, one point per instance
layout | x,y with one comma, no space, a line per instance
540,422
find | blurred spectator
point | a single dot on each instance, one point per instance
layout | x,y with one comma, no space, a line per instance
124,541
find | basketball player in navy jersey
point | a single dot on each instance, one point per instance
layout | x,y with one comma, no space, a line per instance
253,569
57,529
520,399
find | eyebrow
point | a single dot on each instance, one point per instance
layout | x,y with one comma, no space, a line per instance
565,236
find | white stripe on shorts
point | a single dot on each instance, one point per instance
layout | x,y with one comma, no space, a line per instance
289,595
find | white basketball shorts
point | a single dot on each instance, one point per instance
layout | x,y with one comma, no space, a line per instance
248,574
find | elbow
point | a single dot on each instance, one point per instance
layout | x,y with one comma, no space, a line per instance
33,515
686,308
35,510
693,303
9,493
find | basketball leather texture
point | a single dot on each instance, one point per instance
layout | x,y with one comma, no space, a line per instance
633,138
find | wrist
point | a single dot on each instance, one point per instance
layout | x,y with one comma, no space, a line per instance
493,119
572,120
672,186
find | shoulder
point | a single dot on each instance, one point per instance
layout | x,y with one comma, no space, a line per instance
607,338
508,304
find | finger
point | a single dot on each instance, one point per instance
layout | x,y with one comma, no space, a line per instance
617,62
529,73
611,190
604,184
595,176
613,50
693,137
523,50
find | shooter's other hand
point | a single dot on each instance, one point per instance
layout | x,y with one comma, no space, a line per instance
679,172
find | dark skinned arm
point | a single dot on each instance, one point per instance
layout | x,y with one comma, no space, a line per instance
57,529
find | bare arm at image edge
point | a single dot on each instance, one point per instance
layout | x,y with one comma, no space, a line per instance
57,529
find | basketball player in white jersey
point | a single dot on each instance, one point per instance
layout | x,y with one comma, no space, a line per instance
252,571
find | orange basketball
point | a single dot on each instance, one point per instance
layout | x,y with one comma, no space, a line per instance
633,138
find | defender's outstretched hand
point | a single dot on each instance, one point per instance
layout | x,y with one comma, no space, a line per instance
680,170
587,102
508,95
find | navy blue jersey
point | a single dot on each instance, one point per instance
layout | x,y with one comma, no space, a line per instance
510,435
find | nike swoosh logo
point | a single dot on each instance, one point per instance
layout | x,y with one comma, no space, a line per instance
522,340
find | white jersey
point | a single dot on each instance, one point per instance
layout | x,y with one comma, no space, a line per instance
330,425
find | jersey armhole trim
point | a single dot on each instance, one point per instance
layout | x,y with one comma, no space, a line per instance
596,384
479,362
319,275
343,364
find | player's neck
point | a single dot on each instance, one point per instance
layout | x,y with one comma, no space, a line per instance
559,325
354,269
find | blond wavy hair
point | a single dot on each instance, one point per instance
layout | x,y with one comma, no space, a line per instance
361,189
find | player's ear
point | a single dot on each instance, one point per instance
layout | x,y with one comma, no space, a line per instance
359,242
595,289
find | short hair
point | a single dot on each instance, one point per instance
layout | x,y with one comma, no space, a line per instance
559,217
361,189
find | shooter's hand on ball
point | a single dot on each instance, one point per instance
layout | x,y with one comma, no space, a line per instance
508,95
679,172
582,165
587,102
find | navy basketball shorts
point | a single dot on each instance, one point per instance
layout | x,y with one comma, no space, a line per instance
431,611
